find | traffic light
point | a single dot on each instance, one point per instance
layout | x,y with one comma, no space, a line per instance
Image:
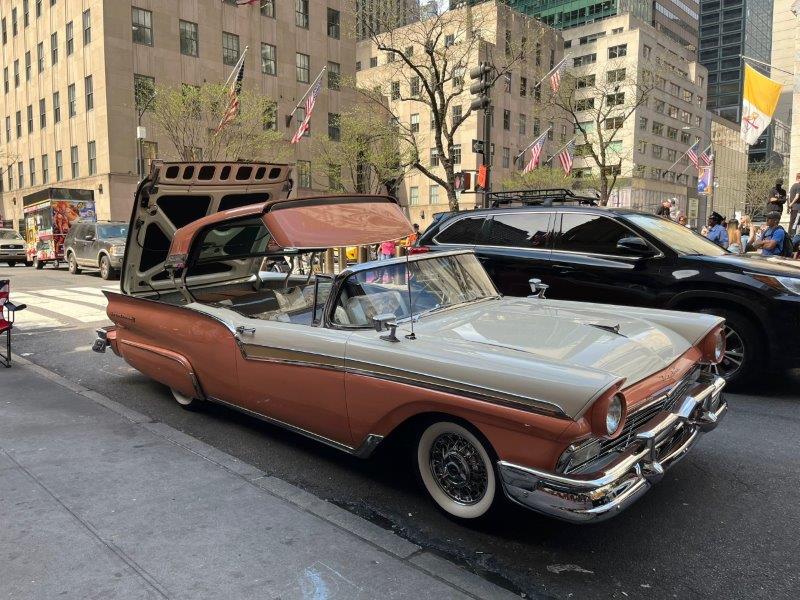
480,89
480,182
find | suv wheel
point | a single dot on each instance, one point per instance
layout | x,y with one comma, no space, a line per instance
73,264
743,348
37,264
105,267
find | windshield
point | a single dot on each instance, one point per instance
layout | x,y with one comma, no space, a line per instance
681,239
9,234
106,232
434,282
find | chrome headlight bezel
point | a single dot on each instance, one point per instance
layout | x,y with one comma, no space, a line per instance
614,414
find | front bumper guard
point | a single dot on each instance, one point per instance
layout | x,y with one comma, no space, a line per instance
659,444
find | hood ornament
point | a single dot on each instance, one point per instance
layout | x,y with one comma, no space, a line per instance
611,328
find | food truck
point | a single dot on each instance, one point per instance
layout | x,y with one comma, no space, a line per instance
49,214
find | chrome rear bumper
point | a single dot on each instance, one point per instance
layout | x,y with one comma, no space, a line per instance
596,496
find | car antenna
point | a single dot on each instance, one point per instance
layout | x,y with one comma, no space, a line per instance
411,335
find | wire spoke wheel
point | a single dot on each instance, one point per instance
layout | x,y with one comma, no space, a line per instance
734,354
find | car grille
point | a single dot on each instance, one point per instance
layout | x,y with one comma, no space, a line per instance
12,247
637,419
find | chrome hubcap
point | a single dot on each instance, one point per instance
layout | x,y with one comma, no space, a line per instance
733,357
458,468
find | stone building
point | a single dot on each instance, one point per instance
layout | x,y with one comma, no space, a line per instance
730,167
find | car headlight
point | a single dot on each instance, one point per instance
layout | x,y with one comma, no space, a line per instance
614,414
117,250
712,346
781,284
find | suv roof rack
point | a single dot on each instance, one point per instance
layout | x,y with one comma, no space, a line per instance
542,197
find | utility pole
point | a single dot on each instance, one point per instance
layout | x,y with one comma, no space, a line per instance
481,101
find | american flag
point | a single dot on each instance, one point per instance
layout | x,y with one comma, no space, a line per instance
555,77
536,153
706,157
692,154
565,157
233,96
311,100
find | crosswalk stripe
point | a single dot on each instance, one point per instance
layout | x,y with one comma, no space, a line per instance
60,306
67,294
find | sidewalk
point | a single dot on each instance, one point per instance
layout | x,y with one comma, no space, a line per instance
98,501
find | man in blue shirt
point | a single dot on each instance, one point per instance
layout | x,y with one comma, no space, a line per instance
771,243
716,232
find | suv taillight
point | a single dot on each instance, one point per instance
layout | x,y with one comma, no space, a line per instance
419,249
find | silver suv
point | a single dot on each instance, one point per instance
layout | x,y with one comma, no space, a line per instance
99,245
12,248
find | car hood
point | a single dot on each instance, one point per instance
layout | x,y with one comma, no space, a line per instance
547,353
115,241
773,265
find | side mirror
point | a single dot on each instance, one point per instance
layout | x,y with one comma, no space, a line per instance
386,322
635,245
89,238
538,288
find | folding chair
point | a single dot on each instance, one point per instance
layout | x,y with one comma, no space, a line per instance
8,311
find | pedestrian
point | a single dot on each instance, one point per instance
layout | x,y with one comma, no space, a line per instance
748,231
387,250
735,245
683,220
674,211
771,242
777,198
716,232
413,237
794,204
663,210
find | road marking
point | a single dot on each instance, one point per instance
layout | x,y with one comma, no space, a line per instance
60,307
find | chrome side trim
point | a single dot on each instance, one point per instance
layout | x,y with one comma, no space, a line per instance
364,450
176,358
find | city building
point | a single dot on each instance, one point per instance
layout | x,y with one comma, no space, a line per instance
68,106
676,19
729,30
786,56
655,135
521,110
730,167
377,16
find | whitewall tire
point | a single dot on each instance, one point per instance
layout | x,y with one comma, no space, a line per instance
186,402
456,470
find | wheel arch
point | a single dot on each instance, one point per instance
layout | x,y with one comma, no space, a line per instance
101,254
696,299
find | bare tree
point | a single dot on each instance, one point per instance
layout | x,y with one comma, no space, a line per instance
190,115
761,178
601,104
427,65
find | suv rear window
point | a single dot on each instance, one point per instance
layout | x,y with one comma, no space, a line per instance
591,234
464,231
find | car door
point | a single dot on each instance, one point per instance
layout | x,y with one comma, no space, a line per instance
89,237
78,242
587,264
515,247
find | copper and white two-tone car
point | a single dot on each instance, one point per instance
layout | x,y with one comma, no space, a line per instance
571,409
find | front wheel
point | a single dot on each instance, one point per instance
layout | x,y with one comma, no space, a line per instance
744,349
74,269
105,267
37,264
457,470
11,263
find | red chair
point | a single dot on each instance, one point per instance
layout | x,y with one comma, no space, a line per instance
8,311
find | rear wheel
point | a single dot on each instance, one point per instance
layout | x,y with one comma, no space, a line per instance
186,402
744,349
73,264
456,469
11,263
37,264
105,267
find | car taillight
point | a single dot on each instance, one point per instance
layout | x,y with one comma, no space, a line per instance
419,249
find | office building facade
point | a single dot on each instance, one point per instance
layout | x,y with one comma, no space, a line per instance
68,105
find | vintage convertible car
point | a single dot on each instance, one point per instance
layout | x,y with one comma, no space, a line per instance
570,409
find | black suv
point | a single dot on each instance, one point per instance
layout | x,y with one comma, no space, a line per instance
623,256
96,245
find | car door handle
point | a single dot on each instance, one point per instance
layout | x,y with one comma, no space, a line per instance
242,330
563,268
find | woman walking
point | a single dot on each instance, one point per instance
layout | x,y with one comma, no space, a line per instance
735,244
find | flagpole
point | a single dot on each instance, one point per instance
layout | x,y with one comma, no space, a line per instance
237,66
516,158
766,64
550,72
685,152
300,103
556,153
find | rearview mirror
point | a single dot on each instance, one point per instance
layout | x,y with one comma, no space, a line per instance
636,245
89,238
382,323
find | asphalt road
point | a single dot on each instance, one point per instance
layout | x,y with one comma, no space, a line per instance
725,523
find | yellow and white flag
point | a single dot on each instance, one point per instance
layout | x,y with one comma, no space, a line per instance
761,96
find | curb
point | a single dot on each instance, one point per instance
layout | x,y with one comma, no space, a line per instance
430,563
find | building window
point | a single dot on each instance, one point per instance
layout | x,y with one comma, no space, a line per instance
45,168
642,147
19,124
334,128
615,99
373,61
334,76
27,66
70,39
433,194
26,13
507,83
14,21
672,133
73,155
53,48
268,8
395,93
189,41
5,79
615,76
523,86
586,59
413,195
414,86
269,61
449,40
3,27
40,56
143,89
16,73
142,26
87,27
613,123
333,23
304,174
42,113
415,123
646,51
72,103
618,51
642,123
30,118
59,166
584,104
658,128
8,129
506,158
56,107
91,153
455,153
32,170
507,120
302,67
21,174
10,172
230,48
88,87
301,14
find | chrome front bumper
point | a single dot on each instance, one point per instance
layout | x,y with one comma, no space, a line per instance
600,495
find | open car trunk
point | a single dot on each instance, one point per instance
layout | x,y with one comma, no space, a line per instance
212,224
